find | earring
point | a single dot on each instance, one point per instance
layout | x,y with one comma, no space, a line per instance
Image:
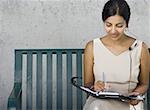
126,29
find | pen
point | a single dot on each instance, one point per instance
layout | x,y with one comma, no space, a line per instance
104,80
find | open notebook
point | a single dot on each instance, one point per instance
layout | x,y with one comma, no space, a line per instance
107,94
110,94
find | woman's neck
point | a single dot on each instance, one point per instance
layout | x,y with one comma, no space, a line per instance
116,42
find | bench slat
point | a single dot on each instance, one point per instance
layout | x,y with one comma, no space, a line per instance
49,81
29,81
69,86
79,74
39,81
59,80
18,67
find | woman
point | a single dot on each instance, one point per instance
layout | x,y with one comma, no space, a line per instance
120,58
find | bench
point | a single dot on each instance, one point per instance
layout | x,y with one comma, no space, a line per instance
42,80
58,66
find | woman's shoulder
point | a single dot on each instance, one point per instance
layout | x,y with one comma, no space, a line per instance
139,42
145,48
88,50
89,44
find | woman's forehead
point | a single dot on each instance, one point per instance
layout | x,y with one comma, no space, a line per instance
115,19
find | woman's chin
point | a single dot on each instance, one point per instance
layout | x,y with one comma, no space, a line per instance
114,37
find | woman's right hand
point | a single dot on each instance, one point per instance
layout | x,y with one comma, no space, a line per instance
99,86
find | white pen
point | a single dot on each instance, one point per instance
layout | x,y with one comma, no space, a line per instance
104,80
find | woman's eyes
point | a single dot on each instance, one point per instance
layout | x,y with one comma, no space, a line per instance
108,25
119,25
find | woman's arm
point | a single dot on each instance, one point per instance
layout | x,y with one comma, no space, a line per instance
144,71
144,74
88,65
88,69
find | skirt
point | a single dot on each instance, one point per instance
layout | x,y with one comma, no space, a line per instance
93,103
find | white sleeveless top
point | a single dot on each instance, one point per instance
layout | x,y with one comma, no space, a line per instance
121,71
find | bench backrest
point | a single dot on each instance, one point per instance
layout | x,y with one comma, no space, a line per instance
57,66
55,91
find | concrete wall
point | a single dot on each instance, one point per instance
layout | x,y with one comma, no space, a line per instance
56,24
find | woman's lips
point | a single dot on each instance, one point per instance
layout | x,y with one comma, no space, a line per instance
114,35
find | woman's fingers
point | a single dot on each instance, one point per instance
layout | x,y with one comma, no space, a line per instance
134,102
134,93
99,86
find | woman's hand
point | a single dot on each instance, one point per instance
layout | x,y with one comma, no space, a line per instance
99,86
134,102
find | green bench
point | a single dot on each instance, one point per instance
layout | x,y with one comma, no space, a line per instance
46,74
58,66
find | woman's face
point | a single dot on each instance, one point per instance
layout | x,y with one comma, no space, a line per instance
115,26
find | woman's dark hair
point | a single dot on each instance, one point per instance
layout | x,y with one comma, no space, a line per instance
116,7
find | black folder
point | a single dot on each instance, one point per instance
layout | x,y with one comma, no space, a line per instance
107,94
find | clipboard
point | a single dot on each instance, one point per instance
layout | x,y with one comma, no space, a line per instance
106,94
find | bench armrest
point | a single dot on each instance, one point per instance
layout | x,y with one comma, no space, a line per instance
14,100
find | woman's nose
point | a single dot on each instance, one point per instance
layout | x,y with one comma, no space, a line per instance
113,30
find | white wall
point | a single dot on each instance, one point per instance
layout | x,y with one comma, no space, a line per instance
55,24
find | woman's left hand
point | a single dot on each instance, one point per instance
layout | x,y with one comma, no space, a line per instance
134,102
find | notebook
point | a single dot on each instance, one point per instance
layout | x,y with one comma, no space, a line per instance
107,94
111,94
